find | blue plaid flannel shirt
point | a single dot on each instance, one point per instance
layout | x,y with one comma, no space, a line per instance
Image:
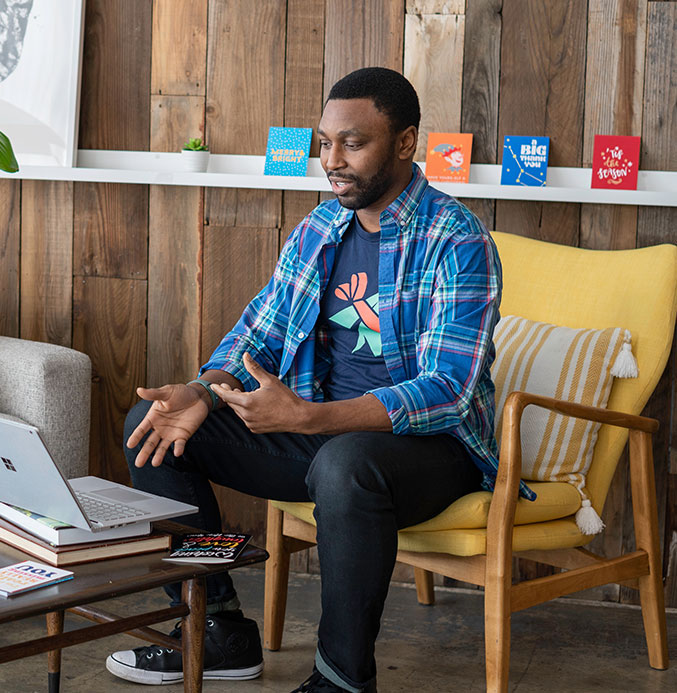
439,293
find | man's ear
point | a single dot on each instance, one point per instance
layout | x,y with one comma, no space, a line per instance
407,140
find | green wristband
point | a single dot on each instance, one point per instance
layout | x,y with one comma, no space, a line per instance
207,386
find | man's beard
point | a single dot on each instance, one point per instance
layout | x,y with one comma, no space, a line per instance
368,191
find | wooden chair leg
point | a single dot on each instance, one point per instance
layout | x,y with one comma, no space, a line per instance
54,627
425,586
645,516
497,634
193,593
276,581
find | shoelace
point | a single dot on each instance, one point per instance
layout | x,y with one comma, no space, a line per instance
151,651
316,682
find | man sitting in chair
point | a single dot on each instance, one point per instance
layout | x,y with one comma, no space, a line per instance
358,378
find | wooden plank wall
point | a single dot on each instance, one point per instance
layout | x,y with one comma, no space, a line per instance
145,279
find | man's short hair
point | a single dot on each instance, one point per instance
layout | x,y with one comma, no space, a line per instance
391,92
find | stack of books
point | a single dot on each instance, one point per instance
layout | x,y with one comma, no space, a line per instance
59,544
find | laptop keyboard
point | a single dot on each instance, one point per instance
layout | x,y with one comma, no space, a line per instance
107,511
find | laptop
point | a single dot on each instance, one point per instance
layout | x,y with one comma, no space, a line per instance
30,479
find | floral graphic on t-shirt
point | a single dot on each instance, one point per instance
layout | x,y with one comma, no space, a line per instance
362,310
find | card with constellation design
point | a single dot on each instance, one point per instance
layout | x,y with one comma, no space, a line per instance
525,160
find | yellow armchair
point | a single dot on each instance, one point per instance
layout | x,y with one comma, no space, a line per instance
476,537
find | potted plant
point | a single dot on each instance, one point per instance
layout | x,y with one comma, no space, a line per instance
7,159
195,155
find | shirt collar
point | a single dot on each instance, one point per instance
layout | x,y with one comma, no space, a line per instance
400,209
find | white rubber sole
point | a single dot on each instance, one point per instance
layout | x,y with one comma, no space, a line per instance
160,678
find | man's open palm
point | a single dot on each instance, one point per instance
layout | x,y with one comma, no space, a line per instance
177,412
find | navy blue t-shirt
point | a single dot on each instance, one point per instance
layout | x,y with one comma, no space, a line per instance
349,309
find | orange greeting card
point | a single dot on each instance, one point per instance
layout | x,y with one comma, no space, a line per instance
448,157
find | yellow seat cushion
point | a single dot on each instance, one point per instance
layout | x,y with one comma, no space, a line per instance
438,534
556,534
554,500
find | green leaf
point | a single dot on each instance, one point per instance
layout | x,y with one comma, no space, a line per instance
8,161
194,144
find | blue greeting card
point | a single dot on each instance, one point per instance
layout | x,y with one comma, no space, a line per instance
525,160
287,152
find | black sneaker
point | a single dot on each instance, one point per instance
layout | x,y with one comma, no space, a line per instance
232,651
316,683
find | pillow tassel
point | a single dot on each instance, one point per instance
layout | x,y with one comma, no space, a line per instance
625,365
587,519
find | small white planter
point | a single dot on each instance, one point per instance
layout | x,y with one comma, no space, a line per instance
194,161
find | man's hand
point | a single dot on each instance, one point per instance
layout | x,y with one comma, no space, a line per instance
273,408
177,412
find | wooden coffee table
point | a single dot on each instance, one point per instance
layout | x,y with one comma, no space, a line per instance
105,579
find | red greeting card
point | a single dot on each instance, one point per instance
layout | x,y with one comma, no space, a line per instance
448,157
615,162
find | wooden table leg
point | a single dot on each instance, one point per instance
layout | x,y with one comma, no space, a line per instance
193,594
54,627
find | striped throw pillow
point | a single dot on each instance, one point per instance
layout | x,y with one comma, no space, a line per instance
561,362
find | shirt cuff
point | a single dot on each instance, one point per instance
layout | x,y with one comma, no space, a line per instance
395,408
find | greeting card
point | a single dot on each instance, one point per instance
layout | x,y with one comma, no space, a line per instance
448,157
525,160
615,162
287,152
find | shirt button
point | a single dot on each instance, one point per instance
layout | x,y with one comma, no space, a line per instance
302,335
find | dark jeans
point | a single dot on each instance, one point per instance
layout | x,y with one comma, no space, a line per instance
365,486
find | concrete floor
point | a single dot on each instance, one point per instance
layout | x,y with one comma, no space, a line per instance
560,647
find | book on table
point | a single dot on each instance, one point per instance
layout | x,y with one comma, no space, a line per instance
208,547
71,554
61,533
29,575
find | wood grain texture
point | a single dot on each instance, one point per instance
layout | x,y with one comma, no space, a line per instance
659,225
541,93
46,261
297,204
479,103
302,105
243,208
548,221
436,6
174,284
659,126
433,63
304,65
610,541
179,47
614,71
608,227
109,324
361,34
115,92
246,97
244,100
174,119
613,106
110,230
10,256
238,262
481,74
660,444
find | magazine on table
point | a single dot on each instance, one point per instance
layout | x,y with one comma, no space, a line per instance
209,547
29,575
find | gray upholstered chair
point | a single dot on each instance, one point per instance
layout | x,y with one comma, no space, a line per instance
49,387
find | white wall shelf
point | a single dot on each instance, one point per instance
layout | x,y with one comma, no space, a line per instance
655,188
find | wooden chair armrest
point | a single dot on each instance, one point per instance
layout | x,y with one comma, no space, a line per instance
506,492
521,400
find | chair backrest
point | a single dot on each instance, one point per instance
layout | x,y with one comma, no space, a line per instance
574,287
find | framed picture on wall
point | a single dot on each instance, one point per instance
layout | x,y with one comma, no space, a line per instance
40,62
